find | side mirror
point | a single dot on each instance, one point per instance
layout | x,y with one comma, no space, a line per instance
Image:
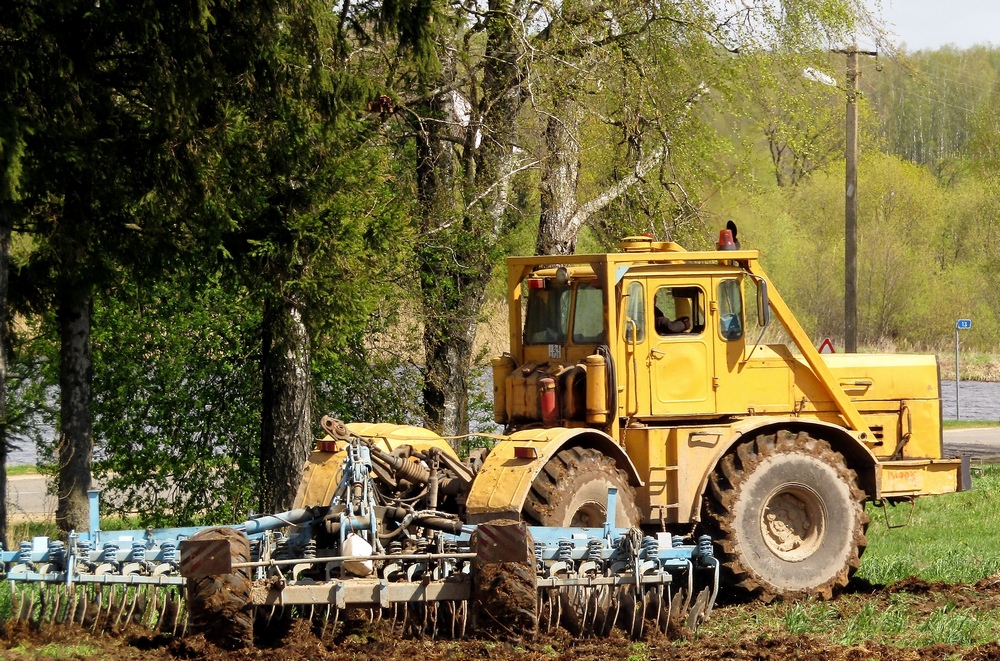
763,304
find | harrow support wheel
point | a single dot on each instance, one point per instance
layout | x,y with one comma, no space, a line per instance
572,490
788,515
219,604
505,592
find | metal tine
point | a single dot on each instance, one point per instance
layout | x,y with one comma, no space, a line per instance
163,611
59,597
79,604
635,618
640,603
27,606
67,604
465,614
17,597
98,603
154,610
136,593
652,604
590,617
107,596
610,602
395,616
57,609
170,614
107,601
663,620
113,603
15,600
42,604
164,625
552,594
326,622
122,603
336,618
587,597
270,616
406,617
617,599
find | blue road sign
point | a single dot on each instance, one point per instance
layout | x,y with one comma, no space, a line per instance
963,324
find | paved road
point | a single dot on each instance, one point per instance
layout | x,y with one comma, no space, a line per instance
977,443
27,496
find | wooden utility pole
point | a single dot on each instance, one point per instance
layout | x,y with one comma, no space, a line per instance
851,201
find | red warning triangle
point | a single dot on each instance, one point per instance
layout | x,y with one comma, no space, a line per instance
826,346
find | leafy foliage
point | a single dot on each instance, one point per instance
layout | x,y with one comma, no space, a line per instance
178,399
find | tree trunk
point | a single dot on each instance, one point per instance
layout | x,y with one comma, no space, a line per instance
76,436
5,229
464,164
557,229
286,419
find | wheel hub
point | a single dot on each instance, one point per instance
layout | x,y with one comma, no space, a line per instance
792,522
589,515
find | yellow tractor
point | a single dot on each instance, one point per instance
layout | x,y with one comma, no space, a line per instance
643,371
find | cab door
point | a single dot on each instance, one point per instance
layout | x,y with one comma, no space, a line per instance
633,371
681,358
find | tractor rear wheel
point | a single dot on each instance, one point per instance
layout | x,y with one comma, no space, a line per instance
219,605
788,515
572,490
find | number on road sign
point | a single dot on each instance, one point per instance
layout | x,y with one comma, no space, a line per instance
963,324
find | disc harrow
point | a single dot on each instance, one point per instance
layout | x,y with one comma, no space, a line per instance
424,571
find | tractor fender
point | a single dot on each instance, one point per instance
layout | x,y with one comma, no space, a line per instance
857,455
322,471
502,484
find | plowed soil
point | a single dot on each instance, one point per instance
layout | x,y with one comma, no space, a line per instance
378,641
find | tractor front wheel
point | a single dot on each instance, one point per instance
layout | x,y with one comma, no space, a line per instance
572,490
788,515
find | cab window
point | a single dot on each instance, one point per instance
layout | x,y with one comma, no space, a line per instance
588,315
730,310
679,310
635,310
547,317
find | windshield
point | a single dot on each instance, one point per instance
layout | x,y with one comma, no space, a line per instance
588,315
546,320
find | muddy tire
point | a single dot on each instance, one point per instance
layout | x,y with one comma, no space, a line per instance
572,490
789,517
219,606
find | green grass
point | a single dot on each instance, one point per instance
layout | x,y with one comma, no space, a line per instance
56,651
950,538
27,469
970,424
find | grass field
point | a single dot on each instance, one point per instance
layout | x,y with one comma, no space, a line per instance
930,588
951,539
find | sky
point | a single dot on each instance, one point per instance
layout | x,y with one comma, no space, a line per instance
929,24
